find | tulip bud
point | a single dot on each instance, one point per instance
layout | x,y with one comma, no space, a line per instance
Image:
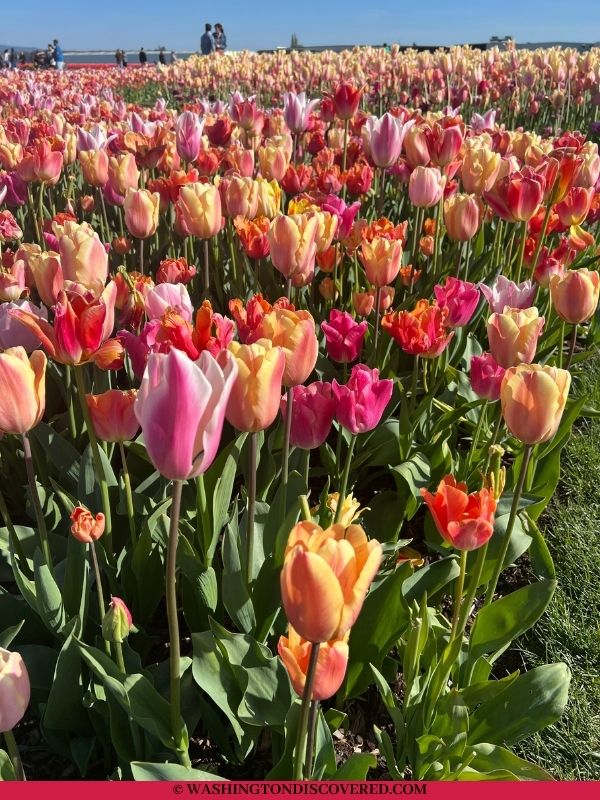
15,690
495,480
117,622
86,527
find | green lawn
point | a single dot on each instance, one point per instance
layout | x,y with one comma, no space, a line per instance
570,630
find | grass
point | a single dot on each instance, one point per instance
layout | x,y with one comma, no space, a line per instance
570,629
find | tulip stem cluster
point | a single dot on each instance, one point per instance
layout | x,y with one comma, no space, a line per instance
499,564
128,495
458,594
302,754
345,475
251,507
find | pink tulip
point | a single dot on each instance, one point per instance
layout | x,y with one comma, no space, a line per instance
168,295
345,214
12,332
384,137
426,186
296,111
460,298
12,281
344,336
486,376
313,411
181,407
188,135
362,401
15,690
505,292
15,189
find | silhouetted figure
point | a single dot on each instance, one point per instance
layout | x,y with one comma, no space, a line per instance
207,45
142,56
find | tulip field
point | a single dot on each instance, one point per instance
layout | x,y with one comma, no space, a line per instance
291,346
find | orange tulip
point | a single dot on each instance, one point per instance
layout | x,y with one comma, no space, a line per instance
292,241
533,399
94,165
382,259
85,527
325,578
466,521
22,389
123,173
332,662
462,213
113,417
254,400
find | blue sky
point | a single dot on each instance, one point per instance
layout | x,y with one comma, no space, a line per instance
177,24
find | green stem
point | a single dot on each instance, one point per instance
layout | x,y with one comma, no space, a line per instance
476,435
458,593
99,590
345,156
509,528
99,467
572,347
306,467
305,710
141,253
304,506
471,591
118,648
41,213
413,386
251,508
561,343
128,496
174,646
313,715
70,407
344,486
540,243
206,269
14,539
13,752
285,464
377,321
37,506
522,244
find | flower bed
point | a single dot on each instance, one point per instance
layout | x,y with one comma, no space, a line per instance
285,385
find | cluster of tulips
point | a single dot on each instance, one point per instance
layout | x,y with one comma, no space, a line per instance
212,317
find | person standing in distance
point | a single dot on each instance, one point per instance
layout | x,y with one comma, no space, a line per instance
143,58
207,45
59,57
220,38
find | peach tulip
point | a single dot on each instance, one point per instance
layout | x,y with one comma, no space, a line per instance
112,414
332,662
22,389
293,247
83,257
513,335
533,399
142,210
382,259
325,578
198,210
255,396
575,294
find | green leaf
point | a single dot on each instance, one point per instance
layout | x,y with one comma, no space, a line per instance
7,772
49,598
8,634
62,458
430,579
480,692
504,620
533,701
491,757
145,771
324,761
136,695
236,597
64,710
219,480
541,558
284,768
356,767
384,616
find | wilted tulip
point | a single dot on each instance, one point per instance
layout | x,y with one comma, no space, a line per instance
513,335
332,662
313,411
465,521
85,527
575,294
533,399
15,689
325,578
22,390
113,415
254,400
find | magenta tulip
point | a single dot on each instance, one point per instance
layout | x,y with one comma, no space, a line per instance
362,401
181,407
313,411
460,298
486,376
344,336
